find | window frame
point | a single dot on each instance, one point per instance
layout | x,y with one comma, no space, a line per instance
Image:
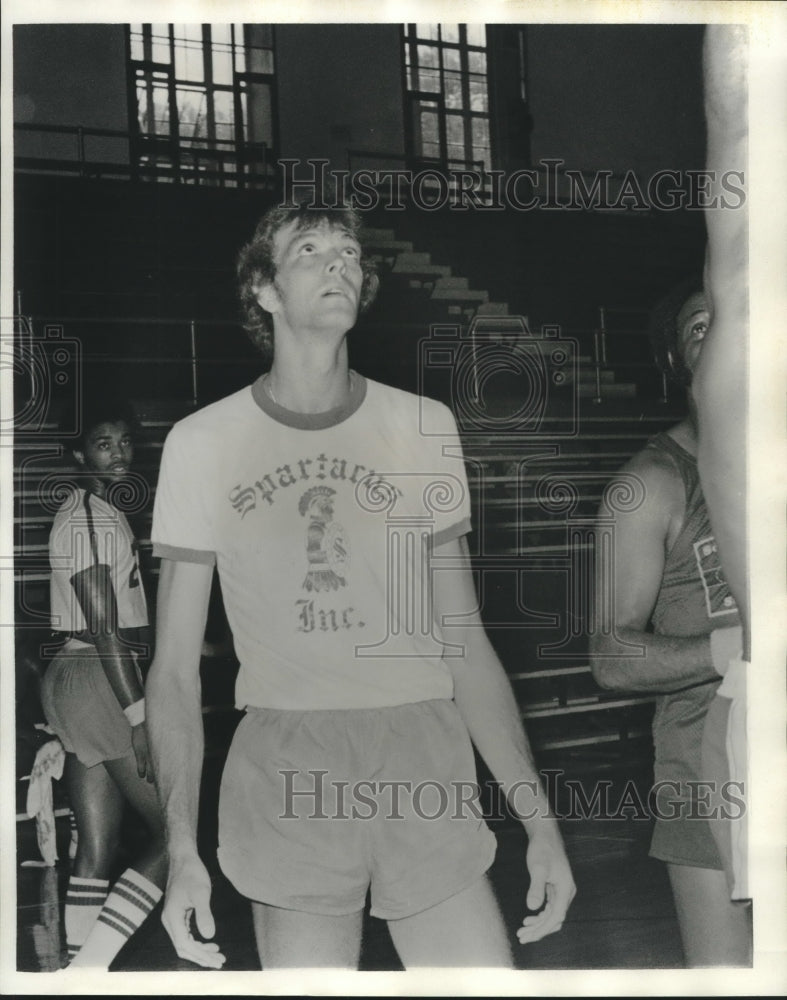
172,154
411,64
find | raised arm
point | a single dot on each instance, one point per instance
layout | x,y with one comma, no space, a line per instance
720,381
486,702
96,595
625,656
174,710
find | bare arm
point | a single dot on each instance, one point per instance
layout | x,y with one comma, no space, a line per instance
487,704
174,709
720,381
96,596
624,655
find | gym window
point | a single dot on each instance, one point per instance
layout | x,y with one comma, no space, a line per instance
447,96
203,103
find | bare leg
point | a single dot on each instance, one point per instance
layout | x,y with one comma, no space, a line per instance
714,930
465,930
290,939
98,808
141,795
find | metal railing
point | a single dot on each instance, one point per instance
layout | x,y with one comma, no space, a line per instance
128,155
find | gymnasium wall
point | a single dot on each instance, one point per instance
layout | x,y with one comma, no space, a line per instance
613,97
617,97
70,74
340,88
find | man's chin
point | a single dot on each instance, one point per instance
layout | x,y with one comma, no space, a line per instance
108,478
336,321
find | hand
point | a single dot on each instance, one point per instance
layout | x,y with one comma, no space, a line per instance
550,878
139,743
726,644
187,895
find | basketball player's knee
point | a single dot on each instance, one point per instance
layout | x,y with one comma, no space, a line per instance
96,851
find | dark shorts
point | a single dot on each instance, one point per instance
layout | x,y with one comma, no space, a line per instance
688,838
309,819
81,708
682,833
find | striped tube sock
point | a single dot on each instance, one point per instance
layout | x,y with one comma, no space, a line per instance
127,906
84,899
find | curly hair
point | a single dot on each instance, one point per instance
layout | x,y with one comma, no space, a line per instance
663,330
103,405
257,265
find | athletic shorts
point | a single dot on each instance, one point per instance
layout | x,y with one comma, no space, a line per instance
309,819
81,707
687,839
682,833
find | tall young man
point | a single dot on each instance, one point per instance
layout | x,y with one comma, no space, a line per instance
337,519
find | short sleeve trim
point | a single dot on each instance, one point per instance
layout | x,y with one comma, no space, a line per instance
178,554
452,532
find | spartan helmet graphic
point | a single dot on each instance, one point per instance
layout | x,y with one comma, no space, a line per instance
327,550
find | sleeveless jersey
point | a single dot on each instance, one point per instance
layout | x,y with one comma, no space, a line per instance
693,599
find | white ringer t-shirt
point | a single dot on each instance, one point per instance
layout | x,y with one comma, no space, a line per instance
320,525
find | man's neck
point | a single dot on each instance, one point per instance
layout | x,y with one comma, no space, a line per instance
686,432
309,381
95,486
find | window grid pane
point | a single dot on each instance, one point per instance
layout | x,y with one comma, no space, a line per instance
239,48
430,129
479,94
455,130
224,110
476,61
160,101
189,61
222,64
201,82
452,89
428,55
135,39
431,31
429,81
160,51
221,34
192,113
450,60
476,34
